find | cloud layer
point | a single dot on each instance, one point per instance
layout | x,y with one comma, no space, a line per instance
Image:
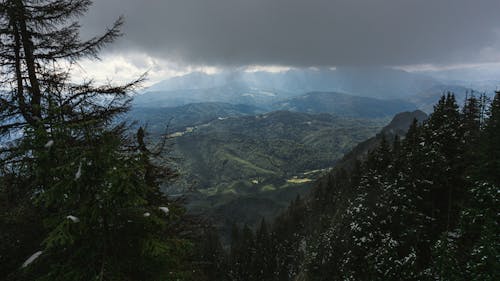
305,32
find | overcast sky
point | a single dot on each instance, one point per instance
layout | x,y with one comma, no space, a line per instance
175,36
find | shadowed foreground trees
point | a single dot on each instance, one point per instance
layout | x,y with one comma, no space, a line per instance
79,197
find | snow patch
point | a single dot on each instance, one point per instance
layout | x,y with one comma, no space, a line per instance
32,259
73,219
164,210
49,144
79,172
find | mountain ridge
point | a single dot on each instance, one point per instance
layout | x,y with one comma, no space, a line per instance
342,104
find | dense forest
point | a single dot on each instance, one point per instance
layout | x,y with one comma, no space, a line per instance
424,207
80,195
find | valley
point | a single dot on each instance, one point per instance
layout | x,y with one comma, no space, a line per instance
261,161
249,140
247,144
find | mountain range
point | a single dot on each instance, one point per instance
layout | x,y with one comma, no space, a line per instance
401,90
367,81
247,143
160,120
340,104
176,118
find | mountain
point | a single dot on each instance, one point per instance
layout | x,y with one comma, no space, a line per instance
190,81
397,127
344,105
425,100
173,119
381,82
401,122
261,88
149,106
483,78
229,93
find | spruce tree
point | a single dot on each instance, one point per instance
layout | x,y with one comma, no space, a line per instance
93,187
471,130
490,144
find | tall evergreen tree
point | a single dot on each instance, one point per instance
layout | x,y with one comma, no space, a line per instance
93,187
490,144
442,148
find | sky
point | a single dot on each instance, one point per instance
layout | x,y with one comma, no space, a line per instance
175,37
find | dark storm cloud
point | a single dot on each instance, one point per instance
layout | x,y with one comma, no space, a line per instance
306,32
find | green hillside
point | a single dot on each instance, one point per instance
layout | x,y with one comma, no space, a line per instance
254,165
420,207
171,119
262,148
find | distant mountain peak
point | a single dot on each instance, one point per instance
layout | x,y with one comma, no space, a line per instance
402,121
398,126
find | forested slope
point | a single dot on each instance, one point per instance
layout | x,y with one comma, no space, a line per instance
422,208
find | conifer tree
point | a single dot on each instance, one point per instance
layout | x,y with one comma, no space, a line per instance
471,250
92,185
490,144
441,144
471,129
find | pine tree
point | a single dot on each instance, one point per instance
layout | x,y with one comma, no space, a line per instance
490,148
92,185
470,252
472,249
471,130
442,146
471,113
